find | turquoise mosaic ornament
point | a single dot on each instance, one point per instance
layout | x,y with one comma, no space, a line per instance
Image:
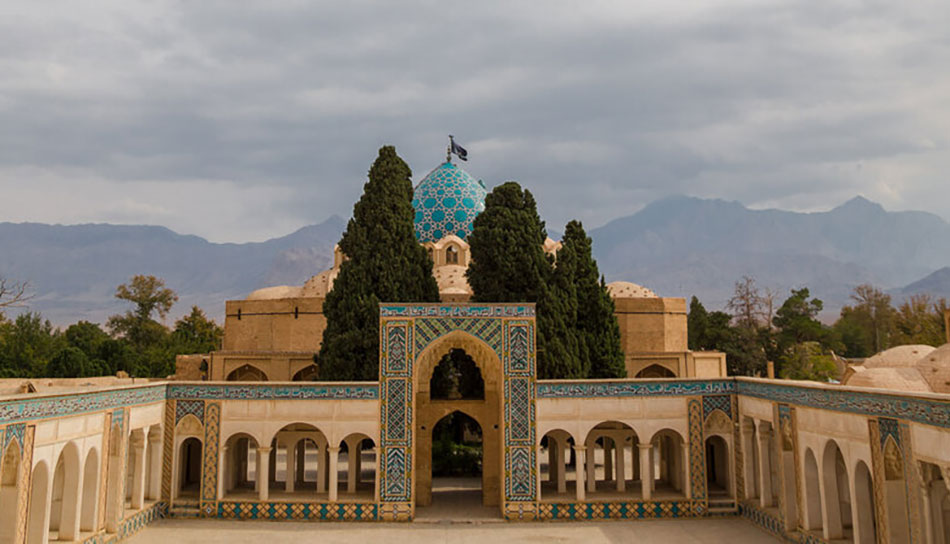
447,201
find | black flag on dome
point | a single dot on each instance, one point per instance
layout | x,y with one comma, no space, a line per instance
457,149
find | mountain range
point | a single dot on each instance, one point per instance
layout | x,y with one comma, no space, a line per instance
677,246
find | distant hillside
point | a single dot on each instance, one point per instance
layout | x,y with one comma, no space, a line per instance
75,269
681,246
936,283
678,246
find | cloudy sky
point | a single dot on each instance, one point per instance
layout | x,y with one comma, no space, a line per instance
242,122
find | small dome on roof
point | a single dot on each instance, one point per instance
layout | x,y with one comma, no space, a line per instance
897,379
935,369
276,292
447,201
625,289
898,356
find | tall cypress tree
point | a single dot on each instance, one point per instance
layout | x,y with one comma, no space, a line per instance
384,263
509,265
508,261
562,355
598,332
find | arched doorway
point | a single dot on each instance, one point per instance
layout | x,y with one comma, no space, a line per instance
247,373
613,462
189,468
458,420
501,340
865,530
90,492
717,467
306,374
240,467
812,512
63,518
457,460
656,371
837,498
39,505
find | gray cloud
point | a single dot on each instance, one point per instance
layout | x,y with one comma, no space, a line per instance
240,122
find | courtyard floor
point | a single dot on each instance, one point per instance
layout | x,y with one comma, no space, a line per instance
180,531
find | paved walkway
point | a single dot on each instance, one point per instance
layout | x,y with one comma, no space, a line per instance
687,531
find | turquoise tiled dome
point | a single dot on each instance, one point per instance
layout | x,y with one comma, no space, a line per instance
446,202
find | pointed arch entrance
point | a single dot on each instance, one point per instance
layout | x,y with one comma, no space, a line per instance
432,366
500,340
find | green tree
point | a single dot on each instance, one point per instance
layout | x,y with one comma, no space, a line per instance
508,260
509,265
596,322
27,344
873,315
150,296
919,320
87,337
195,333
715,331
562,351
808,361
384,263
798,318
697,321
71,362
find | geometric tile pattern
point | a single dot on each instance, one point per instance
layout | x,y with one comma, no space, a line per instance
104,470
298,511
193,407
717,402
770,524
25,484
446,202
889,428
263,391
405,332
929,412
697,453
585,511
131,525
877,482
487,330
456,310
739,455
585,389
77,403
13,432
519,362
168,441
519,348
396,344
209,465
911,484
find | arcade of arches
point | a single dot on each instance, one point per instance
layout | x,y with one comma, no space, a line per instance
809,462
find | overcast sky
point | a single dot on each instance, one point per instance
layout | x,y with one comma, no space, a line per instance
243,123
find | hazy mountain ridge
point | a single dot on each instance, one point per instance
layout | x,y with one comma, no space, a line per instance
677,246
75,269
681,246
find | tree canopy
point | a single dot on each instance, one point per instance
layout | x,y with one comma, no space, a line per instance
601,353
384,263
